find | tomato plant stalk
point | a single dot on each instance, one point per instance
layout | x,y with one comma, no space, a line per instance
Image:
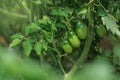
87,44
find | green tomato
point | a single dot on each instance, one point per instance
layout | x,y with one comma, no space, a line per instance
66,46
81,30
100,30
73,39
117,15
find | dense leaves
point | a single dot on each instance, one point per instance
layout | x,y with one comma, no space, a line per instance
66,34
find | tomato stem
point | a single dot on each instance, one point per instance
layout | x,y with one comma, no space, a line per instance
31,12
59,57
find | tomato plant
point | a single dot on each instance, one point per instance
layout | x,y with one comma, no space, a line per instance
84,29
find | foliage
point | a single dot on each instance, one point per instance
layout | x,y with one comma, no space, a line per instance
64,34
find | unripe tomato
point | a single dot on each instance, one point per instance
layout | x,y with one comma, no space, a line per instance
73,39
117,15
81,30
100,30
66,46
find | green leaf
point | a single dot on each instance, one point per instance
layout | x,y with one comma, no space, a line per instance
27,45
83,11
110,23
69,10
33,27
15,42
45,20
60,12
116,54
60,25
38,2
38,48
45,47
17,35
54,27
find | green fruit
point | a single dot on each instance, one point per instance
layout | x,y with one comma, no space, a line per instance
66,47
117,15
73,39
101,30
81,30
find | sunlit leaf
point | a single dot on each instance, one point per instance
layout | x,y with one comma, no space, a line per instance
17,35
38,48
69,10
45,20
59,12
110,23
15,42
33,27
37,2
83,11
27,45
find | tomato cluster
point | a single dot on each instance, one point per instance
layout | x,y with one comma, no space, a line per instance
74,37
80,33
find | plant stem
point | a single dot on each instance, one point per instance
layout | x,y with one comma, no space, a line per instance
13,14
41,58
31,12
59,60
87,46
23,5
83,55
59,57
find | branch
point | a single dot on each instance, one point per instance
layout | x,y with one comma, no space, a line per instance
31,12
23,5
83,55
59,57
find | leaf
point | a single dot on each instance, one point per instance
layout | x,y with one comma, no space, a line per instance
15,42
83,11
100,12
17,35
38,48
53,27
38,2
60,25
33,27
60,12
45,47
116,54
69,10
27,45
45,20
110,23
